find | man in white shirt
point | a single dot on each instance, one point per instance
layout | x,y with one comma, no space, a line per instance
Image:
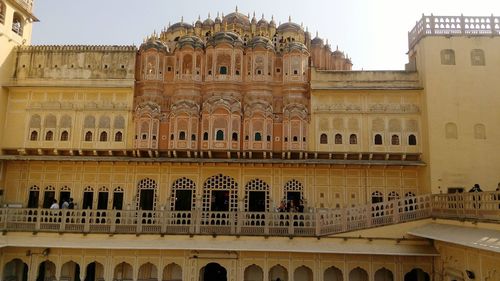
54,205
65,204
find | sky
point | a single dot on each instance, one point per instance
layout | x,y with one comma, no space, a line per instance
374,33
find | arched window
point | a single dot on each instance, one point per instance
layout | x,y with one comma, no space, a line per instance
182,135
258,137
451,130
338,139
88,136
118,136
235,136
395,140
295,138
193,137
49,136
64,136
412,140
447,57
479,131
103,136
377,197
223,70
34,136
353,139
323,139
477,57
171,137
219,135
17,24
205,136
378,139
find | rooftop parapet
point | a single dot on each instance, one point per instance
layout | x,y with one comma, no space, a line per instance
453,26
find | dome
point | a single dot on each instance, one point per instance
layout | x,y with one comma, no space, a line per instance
261,41
154,44
262,22
236,18
295,46
289,26
208,22
189,40
272,23
179,25
225,37
198,23
317,40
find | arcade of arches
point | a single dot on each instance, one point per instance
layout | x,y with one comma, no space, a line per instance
95,265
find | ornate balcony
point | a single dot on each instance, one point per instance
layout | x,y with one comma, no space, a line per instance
453,26
321,222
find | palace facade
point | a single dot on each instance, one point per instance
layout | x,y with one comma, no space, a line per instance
238,149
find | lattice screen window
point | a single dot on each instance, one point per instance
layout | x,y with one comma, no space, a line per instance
377,197
182,184
146,184
294,186
220,182
393,195
448,57
256,185
477,57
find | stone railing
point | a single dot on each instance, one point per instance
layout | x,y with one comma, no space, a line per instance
453,26
321,222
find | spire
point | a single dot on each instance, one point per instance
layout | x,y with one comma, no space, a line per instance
289,18
182,19
317,33
262,15
199,17
236,8
208,14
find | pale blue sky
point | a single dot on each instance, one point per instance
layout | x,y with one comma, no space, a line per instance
372,32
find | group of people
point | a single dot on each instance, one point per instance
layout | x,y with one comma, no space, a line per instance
67,204
291,206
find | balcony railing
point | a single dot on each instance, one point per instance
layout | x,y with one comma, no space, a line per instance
321,222
452,26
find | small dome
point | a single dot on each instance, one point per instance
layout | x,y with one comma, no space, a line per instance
262,22
154,44
217,19
295,46
254,20
225,37
189,40
317,41
261,41
198,23
236,18
179,25
208,22
272,23
289,26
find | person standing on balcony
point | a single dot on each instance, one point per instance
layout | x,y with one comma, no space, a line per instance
65,204
476,188
54,205
71,205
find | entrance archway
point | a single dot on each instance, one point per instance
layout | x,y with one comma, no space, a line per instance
358,274
417,274
46,271
15,270
213,272
146,194
94,272
333,274
123,271
384,274
70,271
303,273
279,273
253,273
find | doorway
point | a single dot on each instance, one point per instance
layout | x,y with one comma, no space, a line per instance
220,200
48,198
147,199
64,196
213,272
33,199
257,201
183,200
88,199
102,200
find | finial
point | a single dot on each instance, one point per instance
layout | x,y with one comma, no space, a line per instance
182,19
302,24
208,14
337,47
248,15
289,18
236,8
307,28
199,17
168,24
217,14
317,33
326,41
222,14
262,15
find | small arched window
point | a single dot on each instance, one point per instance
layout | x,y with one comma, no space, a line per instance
378,139
448,57
412,140
193,137
49,136
118,136
268,138
323,139
295,138
395,140
64,136
34,136
353,139
219,135
223,70
338,139
234,136
477,57
182,135
258,137
205,136
103,136
88,136
17,24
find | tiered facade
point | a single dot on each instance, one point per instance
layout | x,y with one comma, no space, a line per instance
237,149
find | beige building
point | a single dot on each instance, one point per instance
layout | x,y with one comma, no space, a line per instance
239,149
